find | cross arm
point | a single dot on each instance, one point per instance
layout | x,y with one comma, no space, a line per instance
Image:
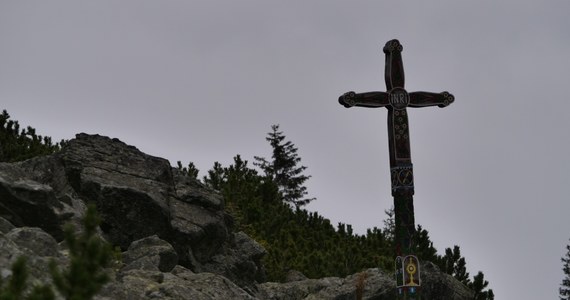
369,99
421,99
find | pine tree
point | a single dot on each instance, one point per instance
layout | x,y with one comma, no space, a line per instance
565,286
190,171
478,285
424,246
215,178
454,264
284,169
16,286
89,256
240,182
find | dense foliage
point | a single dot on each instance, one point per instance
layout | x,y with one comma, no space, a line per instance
305,241
295,238
17,145
565,286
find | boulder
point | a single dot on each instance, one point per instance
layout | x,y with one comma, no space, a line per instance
161,279
138,196
437,284
294,275
180,284
131,189
5,225
241,263
38,247
151,254
26,202
9,252
34,240
295,290
191,191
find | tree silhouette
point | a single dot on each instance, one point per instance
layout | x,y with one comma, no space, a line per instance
284,169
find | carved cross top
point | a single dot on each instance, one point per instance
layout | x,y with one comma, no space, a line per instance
396,100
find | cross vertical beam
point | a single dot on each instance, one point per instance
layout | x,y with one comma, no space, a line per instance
396,100
401,168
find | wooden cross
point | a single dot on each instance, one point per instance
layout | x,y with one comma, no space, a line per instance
396,100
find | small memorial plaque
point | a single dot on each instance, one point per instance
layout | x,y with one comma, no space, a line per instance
399,271
407,272
411,271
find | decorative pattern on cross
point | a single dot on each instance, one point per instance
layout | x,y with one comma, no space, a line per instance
396,99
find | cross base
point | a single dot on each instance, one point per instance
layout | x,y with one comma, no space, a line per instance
409,293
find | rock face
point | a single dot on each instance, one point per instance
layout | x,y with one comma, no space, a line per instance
374,284
176,239
137,196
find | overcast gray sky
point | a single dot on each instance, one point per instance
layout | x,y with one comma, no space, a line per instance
202,81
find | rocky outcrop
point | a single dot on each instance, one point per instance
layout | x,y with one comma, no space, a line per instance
27,202
240,262
151,254
373,284
149,271
439,285
137,196
176,239
149,268
36,245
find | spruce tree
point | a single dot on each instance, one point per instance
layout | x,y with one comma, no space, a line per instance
565,286
284,169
